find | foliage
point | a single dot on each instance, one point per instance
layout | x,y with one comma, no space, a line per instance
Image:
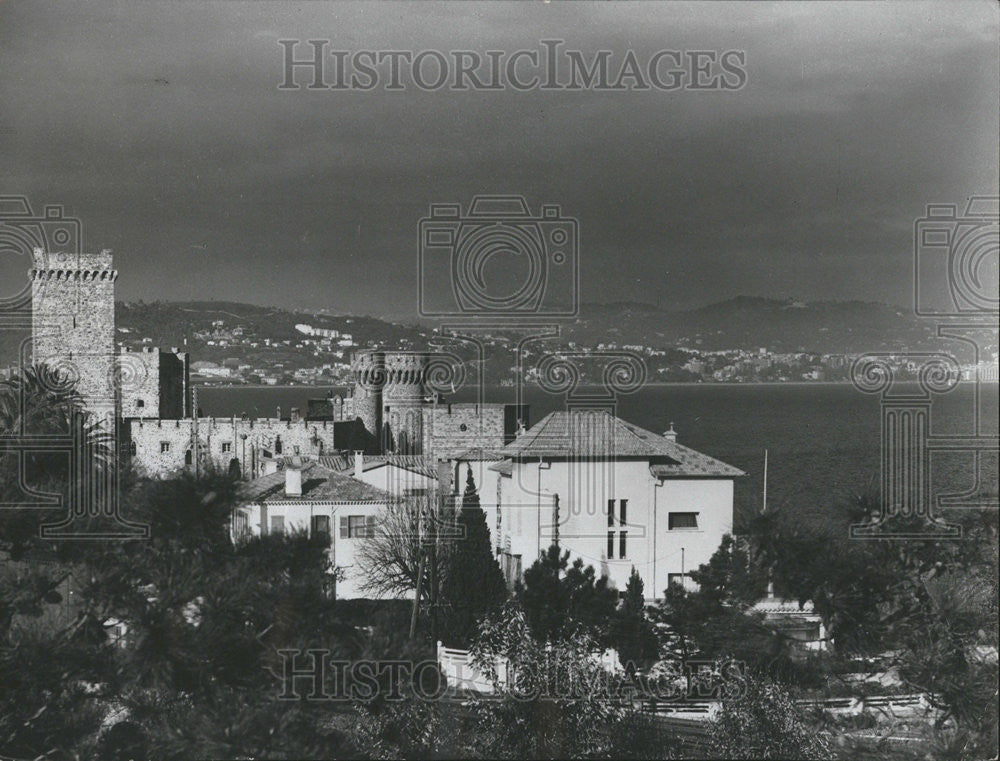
715,620
556,700
473,584
632,632
408,549
195,674
558,598
931,605
763,722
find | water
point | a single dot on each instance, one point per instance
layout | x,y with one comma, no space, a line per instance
822,439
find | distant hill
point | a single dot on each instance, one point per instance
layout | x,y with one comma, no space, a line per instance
168,323
750,322
781,325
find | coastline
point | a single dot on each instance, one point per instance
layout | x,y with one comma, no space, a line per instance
652,384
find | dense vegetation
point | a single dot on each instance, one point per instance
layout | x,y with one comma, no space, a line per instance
208,629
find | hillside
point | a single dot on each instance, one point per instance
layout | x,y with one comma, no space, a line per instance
752,322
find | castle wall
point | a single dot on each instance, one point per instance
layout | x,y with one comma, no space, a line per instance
154,384
451,429
140,389
160,447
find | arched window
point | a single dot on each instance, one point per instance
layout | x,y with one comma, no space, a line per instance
132,447
277,445
188,457
140,403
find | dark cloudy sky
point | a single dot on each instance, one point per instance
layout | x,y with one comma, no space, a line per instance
161,127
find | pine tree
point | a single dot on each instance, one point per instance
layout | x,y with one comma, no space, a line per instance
558,597
634,635
473,585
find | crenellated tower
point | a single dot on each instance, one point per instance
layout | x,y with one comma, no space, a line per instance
368,370
73,323
403,402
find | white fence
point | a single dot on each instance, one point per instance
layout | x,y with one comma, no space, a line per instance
458,669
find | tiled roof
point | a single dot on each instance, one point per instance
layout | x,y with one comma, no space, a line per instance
480,454
414,463
319,484
601,434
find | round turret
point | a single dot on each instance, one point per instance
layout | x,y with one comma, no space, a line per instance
368,370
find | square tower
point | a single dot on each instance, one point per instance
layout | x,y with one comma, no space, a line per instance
73,323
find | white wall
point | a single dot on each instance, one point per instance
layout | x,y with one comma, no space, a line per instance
583,489
298,517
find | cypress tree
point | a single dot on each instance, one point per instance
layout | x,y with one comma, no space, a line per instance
473,585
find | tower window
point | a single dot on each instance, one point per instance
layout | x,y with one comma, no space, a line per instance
140,403
227,446
164,447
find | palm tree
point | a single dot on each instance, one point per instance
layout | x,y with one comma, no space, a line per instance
41,402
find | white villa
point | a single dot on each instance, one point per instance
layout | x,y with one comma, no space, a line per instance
305,496
611,493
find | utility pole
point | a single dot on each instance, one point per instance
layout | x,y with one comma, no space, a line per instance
763,509
434,577
194,430
420,576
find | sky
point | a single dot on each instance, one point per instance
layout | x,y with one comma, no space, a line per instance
161,127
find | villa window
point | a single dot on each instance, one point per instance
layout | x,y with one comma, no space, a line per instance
617,531
682,521
277,524
357,526
242,527
321,525
677,578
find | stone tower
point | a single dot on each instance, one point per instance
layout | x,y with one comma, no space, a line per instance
73,323
403,402
368,369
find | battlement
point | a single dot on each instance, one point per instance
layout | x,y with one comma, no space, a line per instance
71,266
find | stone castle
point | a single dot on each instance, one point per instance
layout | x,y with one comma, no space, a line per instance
391,408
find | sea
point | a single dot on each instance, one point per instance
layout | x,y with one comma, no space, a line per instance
822,440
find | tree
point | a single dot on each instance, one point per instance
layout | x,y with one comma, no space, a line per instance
633,633
715,620
395,558
473,584
557,597
556,700
763,722
929,605
194,674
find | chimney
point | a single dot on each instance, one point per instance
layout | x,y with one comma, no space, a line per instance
359,463
293,478
294,415
670,435
444,476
